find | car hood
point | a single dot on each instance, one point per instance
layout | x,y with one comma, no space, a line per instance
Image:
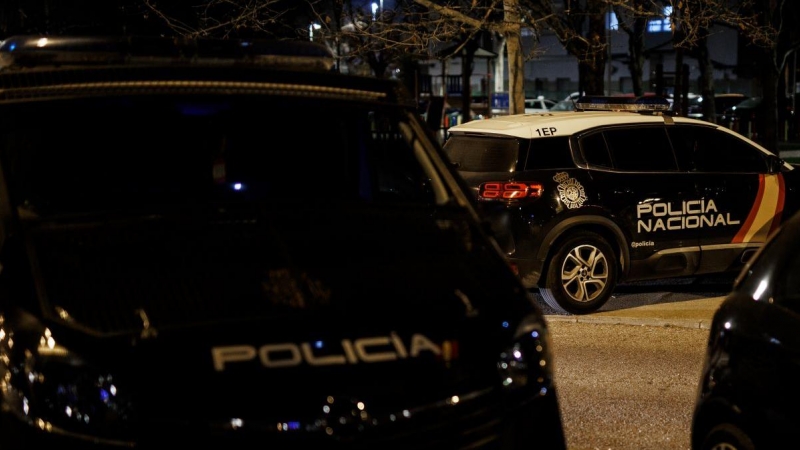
314,314
177,269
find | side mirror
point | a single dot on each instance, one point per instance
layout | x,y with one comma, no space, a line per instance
774,164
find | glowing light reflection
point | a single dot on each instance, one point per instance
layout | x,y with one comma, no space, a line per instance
762,286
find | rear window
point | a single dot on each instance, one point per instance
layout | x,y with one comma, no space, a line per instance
483,154
498,154
550,153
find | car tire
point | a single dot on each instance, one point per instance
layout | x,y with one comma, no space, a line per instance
581,275
727,436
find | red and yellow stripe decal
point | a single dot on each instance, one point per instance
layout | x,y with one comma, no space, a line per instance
765,215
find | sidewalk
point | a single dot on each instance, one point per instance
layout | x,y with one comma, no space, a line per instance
686,314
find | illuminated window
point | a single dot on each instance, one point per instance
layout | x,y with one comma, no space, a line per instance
611,21
663,24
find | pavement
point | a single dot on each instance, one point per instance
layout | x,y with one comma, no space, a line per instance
696,313
789,150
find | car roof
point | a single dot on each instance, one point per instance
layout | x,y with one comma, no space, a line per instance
38,67
37,51
565,123
589,112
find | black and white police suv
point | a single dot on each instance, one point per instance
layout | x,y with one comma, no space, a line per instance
188,261
618,190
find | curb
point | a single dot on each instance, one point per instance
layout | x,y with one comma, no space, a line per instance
703,324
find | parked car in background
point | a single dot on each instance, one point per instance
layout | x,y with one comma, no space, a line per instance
566,104
748,392
617,190
721,103
538,105
742,116
563,105
748,117
187,261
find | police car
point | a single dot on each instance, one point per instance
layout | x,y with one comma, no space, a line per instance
620,190
188,263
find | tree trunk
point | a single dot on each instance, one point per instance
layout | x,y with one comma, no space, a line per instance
591,81
706,79
500,65
516,62
378,64
636,51
769,76
592,66
466,76
677,91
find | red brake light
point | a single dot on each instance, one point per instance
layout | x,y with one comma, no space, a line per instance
504,190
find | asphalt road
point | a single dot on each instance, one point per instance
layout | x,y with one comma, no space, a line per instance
633,294
626,387
632,387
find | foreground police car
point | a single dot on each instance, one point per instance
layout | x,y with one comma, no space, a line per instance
186,261
749,391
617,191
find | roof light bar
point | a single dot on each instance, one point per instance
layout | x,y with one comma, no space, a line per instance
33,51
636,104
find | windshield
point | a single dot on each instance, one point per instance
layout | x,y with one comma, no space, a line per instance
133,152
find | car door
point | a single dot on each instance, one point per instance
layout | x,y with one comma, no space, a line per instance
635,169
743,200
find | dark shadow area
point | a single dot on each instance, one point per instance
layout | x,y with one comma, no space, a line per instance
642,293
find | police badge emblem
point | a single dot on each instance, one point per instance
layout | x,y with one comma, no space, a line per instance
569,190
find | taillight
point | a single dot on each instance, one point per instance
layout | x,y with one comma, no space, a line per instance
505,190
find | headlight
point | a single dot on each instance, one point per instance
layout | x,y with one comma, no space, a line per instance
55,390
528,361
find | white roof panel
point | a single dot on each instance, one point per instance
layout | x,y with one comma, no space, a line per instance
565,123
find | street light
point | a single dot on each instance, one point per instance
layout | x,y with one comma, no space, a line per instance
311,27
374,9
